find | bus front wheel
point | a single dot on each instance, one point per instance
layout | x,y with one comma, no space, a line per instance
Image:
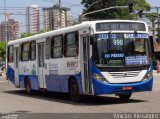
74,90
125,96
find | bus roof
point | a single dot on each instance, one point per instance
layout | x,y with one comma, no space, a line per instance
81,26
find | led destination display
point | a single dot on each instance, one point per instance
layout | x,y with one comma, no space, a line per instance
115,26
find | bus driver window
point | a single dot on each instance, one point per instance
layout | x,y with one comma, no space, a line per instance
139,45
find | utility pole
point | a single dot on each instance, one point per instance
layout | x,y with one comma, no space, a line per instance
153,27
6,33
60,13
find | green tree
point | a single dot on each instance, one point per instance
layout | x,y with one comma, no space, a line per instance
2,50
23,35
44,30
114,13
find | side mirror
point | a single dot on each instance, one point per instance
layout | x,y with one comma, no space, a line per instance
91,40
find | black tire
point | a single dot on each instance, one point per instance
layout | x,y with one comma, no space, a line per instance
74,90
125,96
28,87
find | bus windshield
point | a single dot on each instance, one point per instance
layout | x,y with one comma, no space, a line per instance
121,50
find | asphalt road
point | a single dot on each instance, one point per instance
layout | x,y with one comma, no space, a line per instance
16,100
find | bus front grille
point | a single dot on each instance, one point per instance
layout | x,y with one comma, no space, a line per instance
124,74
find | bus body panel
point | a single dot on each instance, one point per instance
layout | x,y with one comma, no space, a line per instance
28,69
33,80
105,88
58,71
10,73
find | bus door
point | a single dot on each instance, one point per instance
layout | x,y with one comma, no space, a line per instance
85,47
41,68
16,66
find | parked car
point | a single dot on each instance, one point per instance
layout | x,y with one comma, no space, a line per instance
0,72
2,65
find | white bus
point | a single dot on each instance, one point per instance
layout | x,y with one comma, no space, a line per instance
94,57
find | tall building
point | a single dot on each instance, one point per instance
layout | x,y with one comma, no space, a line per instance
54,19
12,30
32,19
46,18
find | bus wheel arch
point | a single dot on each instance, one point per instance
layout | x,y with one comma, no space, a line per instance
27,85
73,89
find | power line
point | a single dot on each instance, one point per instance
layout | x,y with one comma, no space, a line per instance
49,1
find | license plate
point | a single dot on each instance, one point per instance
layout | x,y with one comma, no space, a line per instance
127,88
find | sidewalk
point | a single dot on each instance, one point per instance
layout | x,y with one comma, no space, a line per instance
155,73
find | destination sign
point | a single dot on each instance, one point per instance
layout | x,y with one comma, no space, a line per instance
133,60
125,26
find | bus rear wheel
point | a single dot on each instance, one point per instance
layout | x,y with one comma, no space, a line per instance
125,96
28,87
74,90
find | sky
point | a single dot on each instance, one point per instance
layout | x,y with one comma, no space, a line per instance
155,3
17,8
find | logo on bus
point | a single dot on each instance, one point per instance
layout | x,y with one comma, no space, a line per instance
72,65
125,74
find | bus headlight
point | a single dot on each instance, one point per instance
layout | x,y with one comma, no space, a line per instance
147,76
99,77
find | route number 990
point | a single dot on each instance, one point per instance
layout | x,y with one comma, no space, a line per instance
117,42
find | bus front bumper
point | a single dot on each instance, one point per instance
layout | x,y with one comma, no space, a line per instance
107,88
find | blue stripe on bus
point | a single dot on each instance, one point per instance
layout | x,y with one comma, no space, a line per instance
56,83
33,80
59,83
10,74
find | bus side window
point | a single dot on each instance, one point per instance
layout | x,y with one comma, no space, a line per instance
56,46
48,47
10,54
33,50
71,44
25,51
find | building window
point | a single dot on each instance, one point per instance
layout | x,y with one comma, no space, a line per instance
48,47
25,51
33,50
56,46
10,54
71,44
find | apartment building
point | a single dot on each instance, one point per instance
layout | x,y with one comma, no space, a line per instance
12,30
56,18
32,19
